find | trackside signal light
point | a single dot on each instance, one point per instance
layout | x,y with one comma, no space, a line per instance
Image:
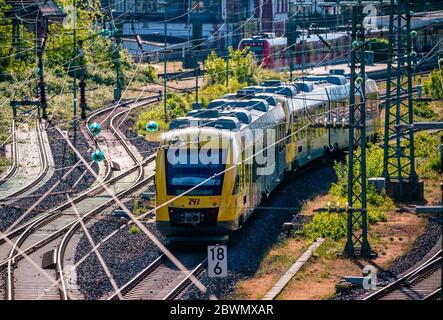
97,156
105,33
95,128
152,126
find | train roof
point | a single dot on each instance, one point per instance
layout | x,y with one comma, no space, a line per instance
232,113
253,107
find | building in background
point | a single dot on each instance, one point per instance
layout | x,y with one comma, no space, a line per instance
212,23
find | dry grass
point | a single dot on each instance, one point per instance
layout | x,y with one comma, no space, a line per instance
317,279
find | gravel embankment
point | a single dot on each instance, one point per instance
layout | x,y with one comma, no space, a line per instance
62,162
126,254
247,248
422,246
2,284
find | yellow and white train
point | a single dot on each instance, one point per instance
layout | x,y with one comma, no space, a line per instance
240,148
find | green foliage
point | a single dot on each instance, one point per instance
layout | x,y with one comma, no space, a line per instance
424,111
216,91
326,224
215,68
176,106
134,229
242,67
380,48
333,225
374,168
434,86
427,152
4,164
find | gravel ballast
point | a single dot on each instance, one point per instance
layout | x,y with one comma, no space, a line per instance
247,248
125,254
427,243
62,162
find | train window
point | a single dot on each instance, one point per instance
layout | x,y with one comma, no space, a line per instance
236,184
182,176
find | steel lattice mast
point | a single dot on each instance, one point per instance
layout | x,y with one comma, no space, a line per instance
357,232
399,164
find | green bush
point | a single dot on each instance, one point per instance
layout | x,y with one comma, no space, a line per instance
326,225
4,164
433,87
334,225
134,229
427,152
380,48
242,67
424,110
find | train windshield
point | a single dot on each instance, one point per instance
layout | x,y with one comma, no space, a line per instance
256,47
192,169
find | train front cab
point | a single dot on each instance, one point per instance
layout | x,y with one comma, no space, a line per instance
208,213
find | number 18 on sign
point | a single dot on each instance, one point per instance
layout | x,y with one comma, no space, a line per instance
217,261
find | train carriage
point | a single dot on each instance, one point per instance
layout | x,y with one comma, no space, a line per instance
235,152
310,50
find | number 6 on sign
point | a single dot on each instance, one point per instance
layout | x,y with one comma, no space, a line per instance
217,261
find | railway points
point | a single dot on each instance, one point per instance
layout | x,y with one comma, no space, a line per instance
245,147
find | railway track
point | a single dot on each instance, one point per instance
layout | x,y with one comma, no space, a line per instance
19,181
70,292
162,280
55,212
42,235
14,156
424,282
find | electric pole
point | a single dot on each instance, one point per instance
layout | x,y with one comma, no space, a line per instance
357,243
399,161
82,80
40,42
164,65
74,75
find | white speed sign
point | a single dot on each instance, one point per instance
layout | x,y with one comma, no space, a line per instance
217,261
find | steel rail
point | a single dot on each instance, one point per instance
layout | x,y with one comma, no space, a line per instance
55,213
138,278
186,281
15,256
14,166
143,276
410,279
44,167
61,249
87,193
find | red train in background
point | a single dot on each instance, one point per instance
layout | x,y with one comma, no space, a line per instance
310,50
